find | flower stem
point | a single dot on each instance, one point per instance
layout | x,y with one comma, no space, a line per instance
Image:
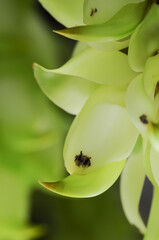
152,232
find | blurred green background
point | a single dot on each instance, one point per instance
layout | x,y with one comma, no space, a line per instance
32,133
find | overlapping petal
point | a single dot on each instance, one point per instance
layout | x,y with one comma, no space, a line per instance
97,12
110,46
154,136
70,85
68,12
88,185
67,92
151,74
100,67
139,105
152,228
154,160
97,131
131,184
156,108
118,27
147,162
145,40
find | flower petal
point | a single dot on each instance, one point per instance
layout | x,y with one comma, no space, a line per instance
151,74
139,105
119,27
110,46
79,47
154,160
97,12
102,132
67,12
147,162
131,184
156,108
68,92
147,33
88,185
154,136
152,227
100,67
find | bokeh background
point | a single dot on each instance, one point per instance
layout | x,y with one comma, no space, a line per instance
32,133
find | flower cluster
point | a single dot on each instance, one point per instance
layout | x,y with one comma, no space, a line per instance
111,83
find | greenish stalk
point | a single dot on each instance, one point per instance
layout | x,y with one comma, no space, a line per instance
152,232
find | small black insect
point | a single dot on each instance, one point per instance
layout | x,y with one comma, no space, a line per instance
143,119
93,11
82,160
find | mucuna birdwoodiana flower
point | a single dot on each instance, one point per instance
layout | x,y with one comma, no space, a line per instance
115,97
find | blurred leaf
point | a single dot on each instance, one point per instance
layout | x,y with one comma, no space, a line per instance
26,115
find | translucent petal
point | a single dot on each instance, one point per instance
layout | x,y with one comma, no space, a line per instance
139,104
109,46
147,33
79,47
156,108
154,136
102,131
97,12
154,160
148,164
151,74
119,27
88,185
67,12
67,92
131,184
152,227
100,67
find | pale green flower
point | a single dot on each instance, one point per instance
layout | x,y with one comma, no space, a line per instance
93,85
115,98
94,154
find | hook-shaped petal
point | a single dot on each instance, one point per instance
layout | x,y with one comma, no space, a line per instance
88,185
119,27
100,67
67,92
100,134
